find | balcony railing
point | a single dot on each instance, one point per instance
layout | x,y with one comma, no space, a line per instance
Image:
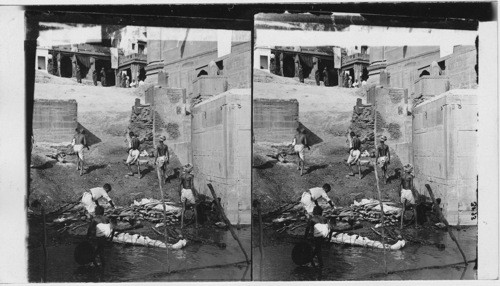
133,57
346,60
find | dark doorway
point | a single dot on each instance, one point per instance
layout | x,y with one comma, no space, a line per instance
142,74
66,67
288,66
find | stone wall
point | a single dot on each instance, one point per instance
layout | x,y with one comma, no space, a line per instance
445,147
275,120
393,121
221,146
460,67
54,121
404,72
172,120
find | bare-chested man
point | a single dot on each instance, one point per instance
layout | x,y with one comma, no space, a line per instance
299,144
354,154
162,157
383,157
407,185
187,192
79,142
407,197
133,154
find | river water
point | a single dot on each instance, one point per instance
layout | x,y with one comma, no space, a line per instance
196,262
342,262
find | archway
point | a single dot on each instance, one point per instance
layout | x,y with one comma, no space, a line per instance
425,72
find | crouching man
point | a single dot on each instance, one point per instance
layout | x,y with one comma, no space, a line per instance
310,198
90,199
187,193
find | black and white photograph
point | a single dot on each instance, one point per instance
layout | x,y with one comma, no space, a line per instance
216,142
140,155
365,150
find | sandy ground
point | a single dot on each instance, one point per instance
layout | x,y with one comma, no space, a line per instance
327,112
104,112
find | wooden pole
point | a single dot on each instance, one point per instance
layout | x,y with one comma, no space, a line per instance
160,182
44,246
441,217
382,218
228,223
256,203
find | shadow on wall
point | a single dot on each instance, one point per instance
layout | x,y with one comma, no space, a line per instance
312,138
91,137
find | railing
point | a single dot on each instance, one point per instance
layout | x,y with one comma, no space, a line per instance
133,57
355,57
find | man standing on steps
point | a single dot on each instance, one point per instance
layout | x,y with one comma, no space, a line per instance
79,142
383,156
187,193
354,154
299,144
162,157
94,77
133,154
103,77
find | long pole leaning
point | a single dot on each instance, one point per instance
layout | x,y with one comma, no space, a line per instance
228,223
441,217
165,234
382,216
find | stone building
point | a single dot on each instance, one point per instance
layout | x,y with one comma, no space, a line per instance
427,107
131,42
201,94
182,55
286,61
353,63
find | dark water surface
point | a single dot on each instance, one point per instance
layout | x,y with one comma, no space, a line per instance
138,263
342,262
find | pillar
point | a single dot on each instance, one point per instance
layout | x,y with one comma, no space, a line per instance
59,64
281,64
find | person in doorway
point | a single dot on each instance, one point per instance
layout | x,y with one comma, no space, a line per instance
354,154
299,144
100,231
383,157
326,77
317,76
94,77
78,74
187,193
133,154
301,74
162,157
79,143
309,198
90,198
349,82
321,229
127,81
103,77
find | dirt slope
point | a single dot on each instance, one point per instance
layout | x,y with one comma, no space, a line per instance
105,112
327,112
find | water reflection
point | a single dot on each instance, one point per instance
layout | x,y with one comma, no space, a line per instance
131,263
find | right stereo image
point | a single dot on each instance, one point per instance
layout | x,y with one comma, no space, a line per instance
365,152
